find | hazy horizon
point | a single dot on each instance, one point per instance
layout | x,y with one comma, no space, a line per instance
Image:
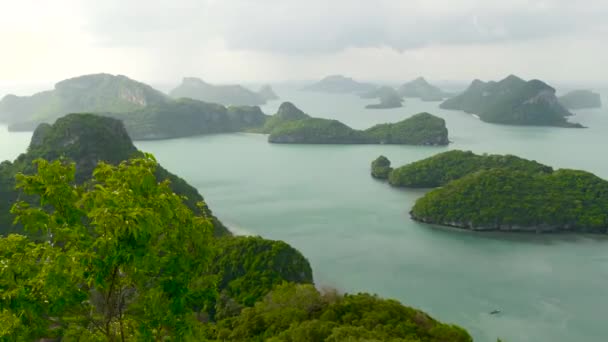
236,41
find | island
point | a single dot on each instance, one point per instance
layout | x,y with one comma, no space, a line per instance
512,101
267,93
292,126
513,200
381,167
340,84
187,117
581,99
88,93
420,88
389,98
445,167
234,95
85,139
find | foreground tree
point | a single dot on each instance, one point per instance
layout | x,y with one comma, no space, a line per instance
122,257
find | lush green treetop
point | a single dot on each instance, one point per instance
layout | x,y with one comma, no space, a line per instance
122,257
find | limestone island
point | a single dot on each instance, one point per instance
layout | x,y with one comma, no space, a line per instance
581,99
420,88
88,93
512,200
292,126
512,101
340,84
501,192
187,117
445,167
389,98
227,95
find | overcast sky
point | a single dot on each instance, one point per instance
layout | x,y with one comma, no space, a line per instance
270,40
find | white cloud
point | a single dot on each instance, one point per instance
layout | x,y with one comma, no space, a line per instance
244,40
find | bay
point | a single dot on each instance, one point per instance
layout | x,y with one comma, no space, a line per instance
357,233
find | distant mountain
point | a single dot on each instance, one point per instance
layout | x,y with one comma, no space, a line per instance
85,139
512,101
420,88
187,117
267,93
235,95
389,98
340,84
292,126
88,93
581,99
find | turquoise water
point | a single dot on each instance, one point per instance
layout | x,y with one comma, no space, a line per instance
358,236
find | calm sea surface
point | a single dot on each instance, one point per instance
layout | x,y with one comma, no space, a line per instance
357,233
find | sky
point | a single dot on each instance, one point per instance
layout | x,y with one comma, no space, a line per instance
245,41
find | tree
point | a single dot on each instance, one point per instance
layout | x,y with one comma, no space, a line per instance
122,258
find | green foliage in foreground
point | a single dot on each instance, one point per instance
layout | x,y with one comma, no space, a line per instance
122,259
444,167
126,259
381,167
566,200
300,313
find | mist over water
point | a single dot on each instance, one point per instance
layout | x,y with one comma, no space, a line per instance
357,233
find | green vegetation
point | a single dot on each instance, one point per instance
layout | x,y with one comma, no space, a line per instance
85,139
445,167
249,267
581,99
291,126
287,112
89,93
124,258
228,95
300,313
512,101
503,199
381,168
315,131
187,117
340,84
419,129
420,88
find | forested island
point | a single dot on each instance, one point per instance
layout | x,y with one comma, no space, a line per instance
187,117
445,167
512,101
340,84
227,95
422,89
88,93
581,99
501,192
292,126
513,200
131,252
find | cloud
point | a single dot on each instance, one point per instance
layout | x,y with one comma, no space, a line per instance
321,26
